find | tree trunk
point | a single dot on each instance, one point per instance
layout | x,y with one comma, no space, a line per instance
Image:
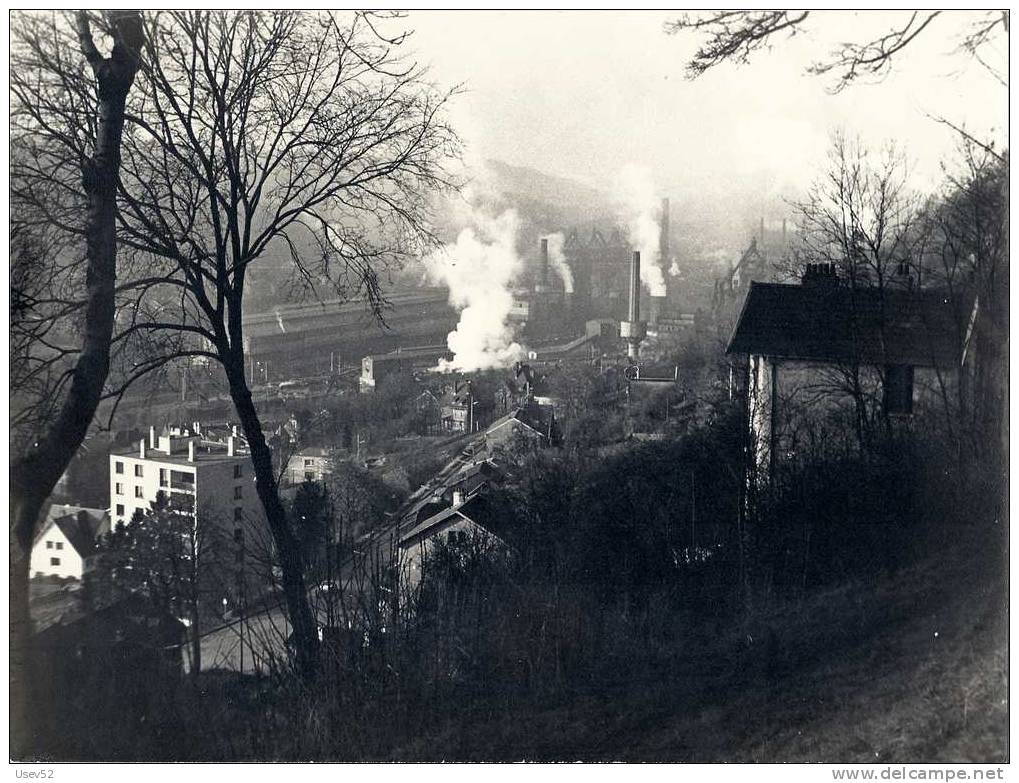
288,550
34,476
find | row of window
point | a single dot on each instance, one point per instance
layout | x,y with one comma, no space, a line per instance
118,468
55,545
238,516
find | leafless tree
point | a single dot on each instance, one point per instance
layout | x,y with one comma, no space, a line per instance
302,139
92,160
733,36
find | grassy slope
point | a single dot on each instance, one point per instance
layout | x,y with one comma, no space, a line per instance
911,668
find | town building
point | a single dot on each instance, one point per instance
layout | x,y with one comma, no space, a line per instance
66,539
532,423
462,411
195,474
473,521
309,464
375,368
825,348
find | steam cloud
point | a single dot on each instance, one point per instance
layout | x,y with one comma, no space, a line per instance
279,320
558,261
637,191
478,269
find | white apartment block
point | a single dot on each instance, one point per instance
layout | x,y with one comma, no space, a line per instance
209,477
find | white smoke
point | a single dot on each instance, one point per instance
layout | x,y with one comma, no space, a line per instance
558,260
640,206
478,269
279,320
674,270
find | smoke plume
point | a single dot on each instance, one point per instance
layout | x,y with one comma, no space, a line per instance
640,206
558,261
279,320
478,269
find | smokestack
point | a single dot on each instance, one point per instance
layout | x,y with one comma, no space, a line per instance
762,230
541,283
633,330
783,229
634,312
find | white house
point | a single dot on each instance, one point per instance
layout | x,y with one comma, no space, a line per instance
66,539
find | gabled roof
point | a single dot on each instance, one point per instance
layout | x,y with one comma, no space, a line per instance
479,510
81,529
852,325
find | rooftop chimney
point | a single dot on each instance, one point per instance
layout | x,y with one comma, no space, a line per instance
191,451
141,448
230,447
152,437
819,275
233,430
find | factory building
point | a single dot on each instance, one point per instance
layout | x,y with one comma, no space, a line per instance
314,339
377,367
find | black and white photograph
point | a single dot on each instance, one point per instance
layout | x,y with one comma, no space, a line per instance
499,386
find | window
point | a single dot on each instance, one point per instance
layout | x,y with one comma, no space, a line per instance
238,513
138,492
120,509
898,391
118,467
238,493
309,476
119,488
54,561
164,477
238,471
49,544
138,471
308,463
60,544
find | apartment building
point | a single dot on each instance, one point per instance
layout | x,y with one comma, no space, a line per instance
197,475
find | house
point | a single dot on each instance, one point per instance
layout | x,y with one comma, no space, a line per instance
462,411
309,464
532,423
474,520
878,354
194,473
66,540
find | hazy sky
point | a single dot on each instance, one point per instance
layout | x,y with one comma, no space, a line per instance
581,94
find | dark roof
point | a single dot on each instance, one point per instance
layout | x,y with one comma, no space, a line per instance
487,515
853,325
537,417
81,528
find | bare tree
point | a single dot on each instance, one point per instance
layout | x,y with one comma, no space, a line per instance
732,36
93,162
301,139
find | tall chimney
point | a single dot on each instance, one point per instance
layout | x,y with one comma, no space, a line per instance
634,312
541,283
762,230
633,330
191,451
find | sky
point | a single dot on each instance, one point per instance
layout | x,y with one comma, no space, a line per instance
583,94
